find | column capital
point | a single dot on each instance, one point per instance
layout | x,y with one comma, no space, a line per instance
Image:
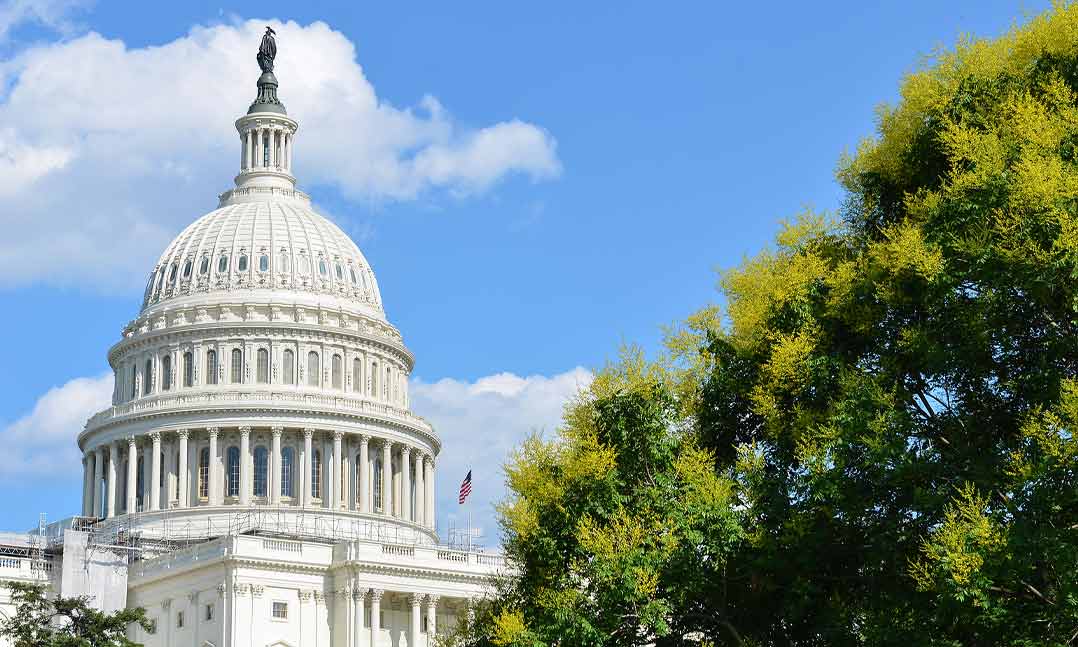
308,433
405,451
376,594
213,432
415,599
432,599
364,439
155,436
131,440
337,434
245,432
277,431
182,433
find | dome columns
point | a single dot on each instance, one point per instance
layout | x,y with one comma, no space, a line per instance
266,141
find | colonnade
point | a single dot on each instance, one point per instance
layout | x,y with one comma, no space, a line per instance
306,467
266,147
352,607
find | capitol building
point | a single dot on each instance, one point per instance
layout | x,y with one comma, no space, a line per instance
259,479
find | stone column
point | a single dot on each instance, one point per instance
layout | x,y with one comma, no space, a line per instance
275,493
214,491
334,490
87,481
308,466
376,610
182,480
406,483
432,618
132,477
420,490
413,633
359,596
387,481
155,472
246,485
259,149
114,459
363,487
429,479
99,469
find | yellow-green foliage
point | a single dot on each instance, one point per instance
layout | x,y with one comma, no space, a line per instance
956,551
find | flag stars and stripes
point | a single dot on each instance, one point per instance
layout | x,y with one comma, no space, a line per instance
465,488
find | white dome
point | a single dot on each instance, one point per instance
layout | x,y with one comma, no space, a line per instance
274,244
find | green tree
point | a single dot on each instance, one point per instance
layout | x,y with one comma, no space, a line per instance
888,403
42,621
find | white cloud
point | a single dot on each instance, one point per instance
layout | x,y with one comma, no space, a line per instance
480,424
53,14
41,444
107,151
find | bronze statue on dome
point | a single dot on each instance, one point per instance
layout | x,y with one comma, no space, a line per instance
267,51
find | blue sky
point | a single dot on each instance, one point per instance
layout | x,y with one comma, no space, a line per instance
681,134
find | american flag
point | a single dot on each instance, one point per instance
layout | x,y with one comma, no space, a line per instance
465,488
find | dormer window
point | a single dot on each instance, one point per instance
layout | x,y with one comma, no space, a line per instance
304,265
322,267
205,266
352,271
263,263
340,273
282,262
172,273
242,266
187,270
222,264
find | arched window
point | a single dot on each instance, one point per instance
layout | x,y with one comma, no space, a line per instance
314,374
340,272
222,264
352,271
263,366
188,369
288,371
204,472
374,379
357,374
263,263
261,461
237,366
376,488
147,378
337,369
322,267
134,380
232,471
172,273
316,475
204,266
166,372
211,367
288,461
187,269
282,262
242,265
